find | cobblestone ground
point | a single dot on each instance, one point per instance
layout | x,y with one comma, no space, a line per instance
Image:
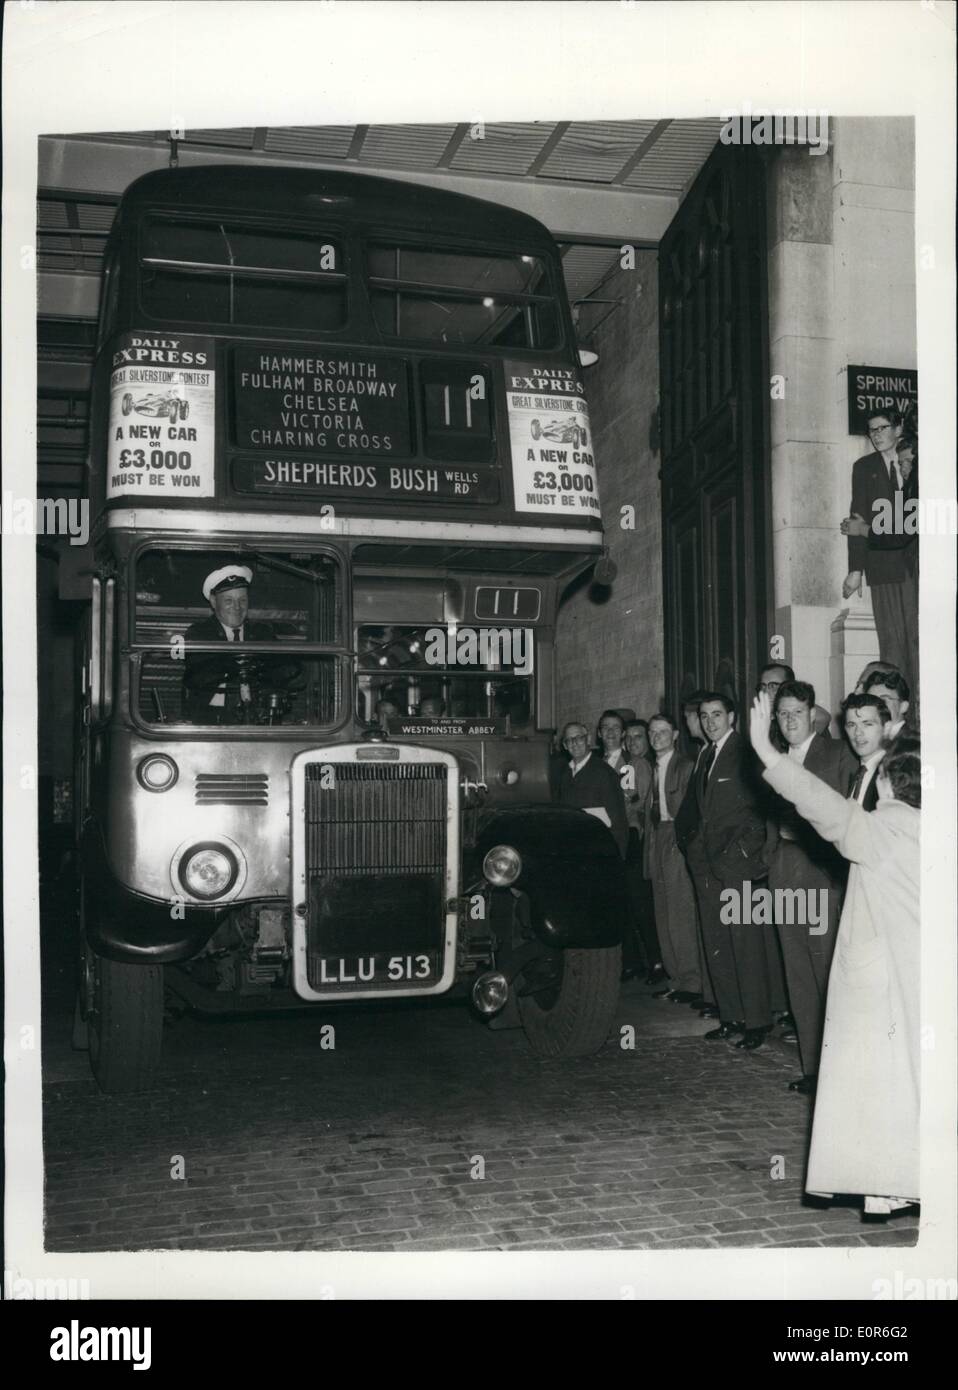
423,1130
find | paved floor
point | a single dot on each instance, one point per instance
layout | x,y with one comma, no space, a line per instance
423,1130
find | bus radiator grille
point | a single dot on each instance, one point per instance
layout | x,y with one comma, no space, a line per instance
368,821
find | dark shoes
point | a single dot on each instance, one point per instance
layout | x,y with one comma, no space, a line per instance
724,1031
628,975
684,996
662,994
753,1038
656,976
804,1085
789,1036
709,1011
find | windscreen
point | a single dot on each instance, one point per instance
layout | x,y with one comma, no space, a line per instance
227,601
445,673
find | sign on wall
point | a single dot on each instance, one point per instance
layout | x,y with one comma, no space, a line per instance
162,400
553,468
879,388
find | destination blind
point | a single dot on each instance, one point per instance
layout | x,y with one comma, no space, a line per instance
347,417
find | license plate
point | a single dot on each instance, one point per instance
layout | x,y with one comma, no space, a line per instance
409,968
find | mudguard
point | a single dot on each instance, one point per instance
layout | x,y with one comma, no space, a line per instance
572,872
127,926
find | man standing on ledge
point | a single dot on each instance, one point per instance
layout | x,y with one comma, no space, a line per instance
881,557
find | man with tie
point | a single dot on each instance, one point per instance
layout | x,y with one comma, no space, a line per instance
220,689
879,554
725,857
590,784
866,719
809,870
892,687
675,912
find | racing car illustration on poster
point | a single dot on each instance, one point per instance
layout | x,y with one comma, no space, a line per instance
560,432
158,403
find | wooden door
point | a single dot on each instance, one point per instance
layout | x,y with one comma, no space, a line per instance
714,431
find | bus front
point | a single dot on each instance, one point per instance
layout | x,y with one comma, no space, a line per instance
342,469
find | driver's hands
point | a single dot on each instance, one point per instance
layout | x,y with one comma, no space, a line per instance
852,584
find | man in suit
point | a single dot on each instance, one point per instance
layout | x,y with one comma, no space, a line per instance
675,911
221,689
635,777
725,856
879,553
590,784
866,719
810,871
686,822
892,687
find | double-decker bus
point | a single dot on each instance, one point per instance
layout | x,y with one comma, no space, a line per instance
341,473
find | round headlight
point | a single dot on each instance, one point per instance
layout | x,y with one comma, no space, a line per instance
502,866
157,772
208,871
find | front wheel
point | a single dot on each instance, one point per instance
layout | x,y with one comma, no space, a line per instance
569,1012
124,1018
127,403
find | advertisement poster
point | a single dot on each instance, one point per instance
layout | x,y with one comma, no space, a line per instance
553,468
162,401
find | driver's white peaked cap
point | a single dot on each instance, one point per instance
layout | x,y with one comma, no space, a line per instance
227,577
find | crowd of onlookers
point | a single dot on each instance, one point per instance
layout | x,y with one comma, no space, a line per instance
773,881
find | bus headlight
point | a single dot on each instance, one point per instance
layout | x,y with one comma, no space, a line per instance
208,871
156,772
502,866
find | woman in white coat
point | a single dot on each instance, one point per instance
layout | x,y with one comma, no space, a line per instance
865,1126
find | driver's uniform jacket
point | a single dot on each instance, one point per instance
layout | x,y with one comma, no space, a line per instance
207,674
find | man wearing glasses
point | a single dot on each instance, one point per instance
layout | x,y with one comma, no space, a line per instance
810,870
882,557
589,784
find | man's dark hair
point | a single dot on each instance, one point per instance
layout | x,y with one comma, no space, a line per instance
795,690
710,696
902,766
694,699
865,700
610,714
894,417
892,680
636,724
778,666
667,718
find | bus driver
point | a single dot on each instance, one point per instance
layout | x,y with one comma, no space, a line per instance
223,689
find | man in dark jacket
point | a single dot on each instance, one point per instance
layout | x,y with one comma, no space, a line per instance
879,551
220,689
590,784
725,857
806,874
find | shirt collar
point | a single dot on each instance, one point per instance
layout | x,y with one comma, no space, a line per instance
581,763
723,741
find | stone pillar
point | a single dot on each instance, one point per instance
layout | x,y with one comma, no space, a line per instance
841,275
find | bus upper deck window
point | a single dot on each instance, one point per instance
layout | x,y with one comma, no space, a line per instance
424,295
217,272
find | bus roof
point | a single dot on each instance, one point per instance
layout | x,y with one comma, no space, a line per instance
393,203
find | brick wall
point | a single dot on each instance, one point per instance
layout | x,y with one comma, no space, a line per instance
609,643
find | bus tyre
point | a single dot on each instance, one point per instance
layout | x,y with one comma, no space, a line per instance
535,429
125,1024
127,403
573,1017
